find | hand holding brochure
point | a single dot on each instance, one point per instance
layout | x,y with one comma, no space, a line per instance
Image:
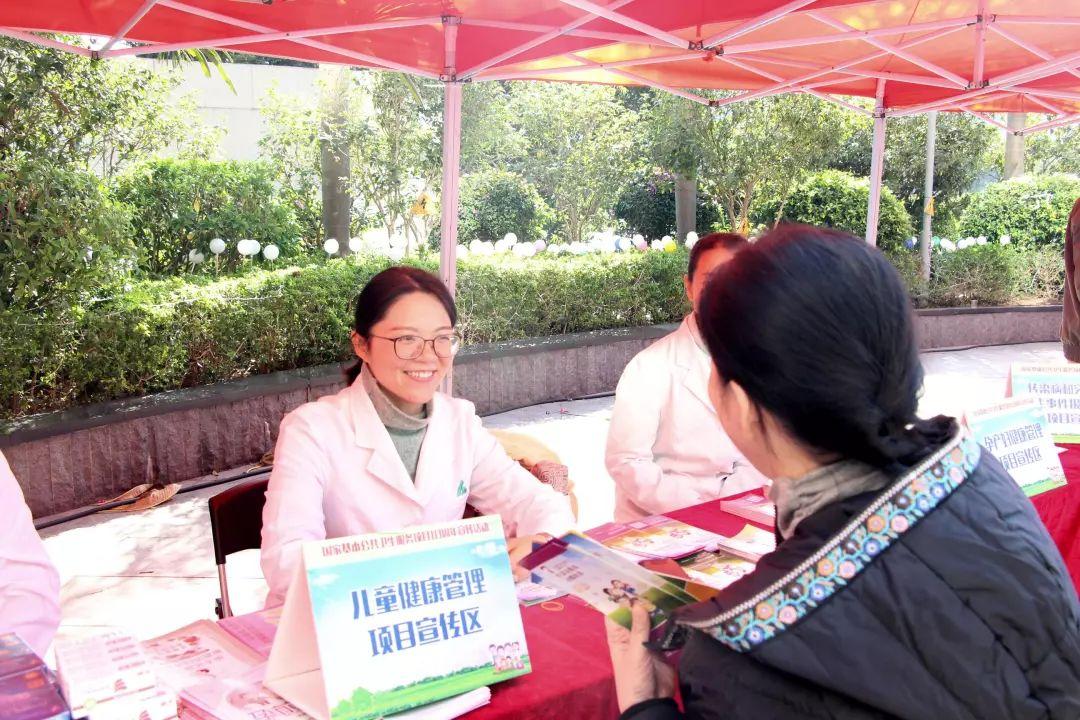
604,579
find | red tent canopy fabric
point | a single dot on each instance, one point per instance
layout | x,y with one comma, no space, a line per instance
912,56
976,55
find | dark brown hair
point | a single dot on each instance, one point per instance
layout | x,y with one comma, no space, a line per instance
383,290
728,241
816,326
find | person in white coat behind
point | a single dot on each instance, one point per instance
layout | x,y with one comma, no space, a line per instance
665,448
29,583
389,452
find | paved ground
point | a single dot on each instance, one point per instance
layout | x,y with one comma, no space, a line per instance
154,571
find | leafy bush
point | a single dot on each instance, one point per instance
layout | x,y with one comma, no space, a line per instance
494,203
1040,274
1031,210
986,274
163,334
180,205
647,206
836,199
60,234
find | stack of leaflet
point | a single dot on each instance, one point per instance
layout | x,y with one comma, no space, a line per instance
754,507
660,536
683,552
107,677
28,689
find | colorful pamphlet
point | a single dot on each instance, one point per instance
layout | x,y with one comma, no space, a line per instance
237,698
195,652
1057,388
255,630
382,623
655,537
605,579
106,669
754,507
530,593
660,536
715,570
31,695
16,656
1016,433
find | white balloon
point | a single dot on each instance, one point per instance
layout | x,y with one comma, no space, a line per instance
243,247
271,252
396,253
398,241
356,244
330,247
474,247
540,245
691,239
1005,239
199,258
640,243
190,255
510,238
657,244
217,246
462,251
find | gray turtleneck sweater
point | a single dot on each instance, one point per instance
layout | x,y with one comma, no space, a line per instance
406,431
797,500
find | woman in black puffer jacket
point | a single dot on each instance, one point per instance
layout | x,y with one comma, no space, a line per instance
913,578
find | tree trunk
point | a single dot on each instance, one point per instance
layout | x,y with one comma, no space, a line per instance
685,205
334,157
1014,146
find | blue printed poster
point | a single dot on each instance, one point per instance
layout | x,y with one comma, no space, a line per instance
1015,432
1057,388
377,624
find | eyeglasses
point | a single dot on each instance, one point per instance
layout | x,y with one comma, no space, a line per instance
410,347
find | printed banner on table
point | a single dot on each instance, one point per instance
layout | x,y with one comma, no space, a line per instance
377,624
1057,387
1016,433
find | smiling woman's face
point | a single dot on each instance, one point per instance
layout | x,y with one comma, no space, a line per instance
409,383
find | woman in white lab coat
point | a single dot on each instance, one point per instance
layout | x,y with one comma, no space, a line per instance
29,583
389,451
666,449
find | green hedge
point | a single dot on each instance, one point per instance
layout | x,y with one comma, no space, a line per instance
180,205
159,335
837,199
1032,210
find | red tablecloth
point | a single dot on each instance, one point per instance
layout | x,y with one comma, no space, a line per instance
571,675
1060,512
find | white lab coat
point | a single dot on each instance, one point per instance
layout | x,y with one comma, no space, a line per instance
666,448
336,473
29,583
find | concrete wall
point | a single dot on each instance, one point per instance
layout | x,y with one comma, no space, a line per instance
75,458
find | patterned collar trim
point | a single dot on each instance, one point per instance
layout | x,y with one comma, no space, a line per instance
791,598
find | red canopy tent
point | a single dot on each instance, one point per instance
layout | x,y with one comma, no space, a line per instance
912,56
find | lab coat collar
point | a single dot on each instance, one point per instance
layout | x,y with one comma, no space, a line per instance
384,461
687,356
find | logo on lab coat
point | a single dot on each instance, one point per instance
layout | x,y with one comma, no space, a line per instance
462,489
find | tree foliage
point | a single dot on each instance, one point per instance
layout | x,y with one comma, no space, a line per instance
579,144
66,109
964,152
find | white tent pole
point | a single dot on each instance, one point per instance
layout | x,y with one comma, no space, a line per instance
877,166
451,167
928,195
